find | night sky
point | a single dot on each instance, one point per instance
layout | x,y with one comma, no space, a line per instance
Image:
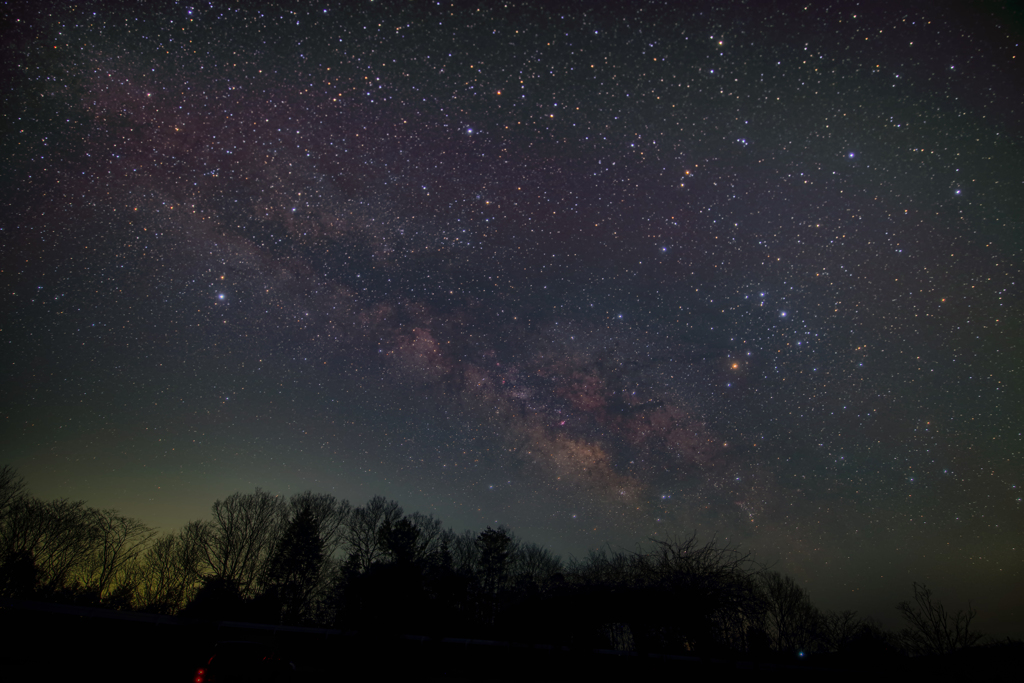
598,272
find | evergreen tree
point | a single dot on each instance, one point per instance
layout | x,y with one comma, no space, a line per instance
295,568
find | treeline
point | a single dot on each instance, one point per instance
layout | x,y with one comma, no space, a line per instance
314,560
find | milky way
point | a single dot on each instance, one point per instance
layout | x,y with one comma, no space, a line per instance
594,273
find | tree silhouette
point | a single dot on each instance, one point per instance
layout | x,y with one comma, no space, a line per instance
496,546
60,536
315,560
296,566
113,568
932,630
400,540
791,622
534,564
171,570
241,539
19,575
838,629
12,489
329,516
363,538
677,596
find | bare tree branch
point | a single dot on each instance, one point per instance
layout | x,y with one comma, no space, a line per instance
933,630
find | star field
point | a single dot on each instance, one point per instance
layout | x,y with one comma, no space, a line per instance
593,272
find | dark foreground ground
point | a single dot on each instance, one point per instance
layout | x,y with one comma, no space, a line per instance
53,643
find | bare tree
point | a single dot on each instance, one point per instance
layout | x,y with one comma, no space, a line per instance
19,575
431,537
464,552
791,622
70,545
414,539
158,587
932,630
120,541
838,629
242,537
171,570
363,538
12,489
60,536
712,585
677,595
603,568
535,564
